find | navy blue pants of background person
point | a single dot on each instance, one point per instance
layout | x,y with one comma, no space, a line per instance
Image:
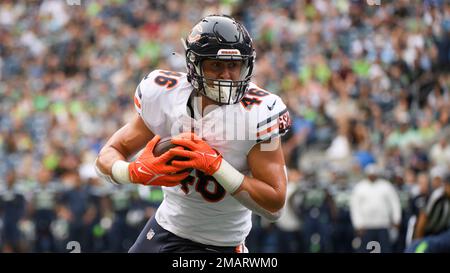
45,242
431,244
11,236
155,239
378,235
317,233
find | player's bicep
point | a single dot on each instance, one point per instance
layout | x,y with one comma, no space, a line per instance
268,165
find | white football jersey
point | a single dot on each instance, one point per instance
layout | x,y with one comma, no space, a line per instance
199,209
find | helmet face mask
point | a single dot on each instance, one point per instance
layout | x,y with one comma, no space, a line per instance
223,39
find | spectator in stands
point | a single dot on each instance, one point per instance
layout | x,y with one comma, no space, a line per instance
12,210
43,204
432,232
375,209
435,218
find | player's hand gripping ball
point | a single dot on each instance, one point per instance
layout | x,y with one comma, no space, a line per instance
165,145
201,156
153,169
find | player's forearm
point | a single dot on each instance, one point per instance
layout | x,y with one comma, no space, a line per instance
110,166
106,158
265,199
269,198
244,198
124,143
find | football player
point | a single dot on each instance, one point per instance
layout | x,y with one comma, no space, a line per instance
228,131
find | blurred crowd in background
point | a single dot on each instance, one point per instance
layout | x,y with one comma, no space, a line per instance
365,84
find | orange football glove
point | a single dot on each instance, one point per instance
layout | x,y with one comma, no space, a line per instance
201,156
154,171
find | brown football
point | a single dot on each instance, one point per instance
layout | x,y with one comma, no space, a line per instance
163,146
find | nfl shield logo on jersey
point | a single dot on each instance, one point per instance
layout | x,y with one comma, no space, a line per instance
150,234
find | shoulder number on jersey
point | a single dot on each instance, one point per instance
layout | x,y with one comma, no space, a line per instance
252,97
169,79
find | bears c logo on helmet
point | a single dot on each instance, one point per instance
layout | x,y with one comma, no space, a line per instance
195,34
